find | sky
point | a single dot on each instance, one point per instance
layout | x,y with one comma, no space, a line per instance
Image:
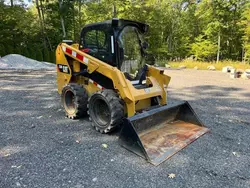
28,2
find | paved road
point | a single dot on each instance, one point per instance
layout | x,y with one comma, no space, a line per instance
39,147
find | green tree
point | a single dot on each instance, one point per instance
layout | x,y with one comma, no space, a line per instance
39,55
17,50
175,30
25,52
204,49
220,26
32,53
2,50
246,37
53,56
46,55
9,49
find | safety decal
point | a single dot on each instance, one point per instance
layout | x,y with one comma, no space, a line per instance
80,57
96,84
63,68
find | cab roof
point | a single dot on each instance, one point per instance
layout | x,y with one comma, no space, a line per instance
117,23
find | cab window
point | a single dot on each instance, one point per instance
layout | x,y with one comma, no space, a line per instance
95,39
129,41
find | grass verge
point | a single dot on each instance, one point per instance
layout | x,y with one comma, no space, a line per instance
203,65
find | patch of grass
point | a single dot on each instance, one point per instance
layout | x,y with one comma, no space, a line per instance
203,65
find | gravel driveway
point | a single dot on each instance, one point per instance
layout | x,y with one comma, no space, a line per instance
39,147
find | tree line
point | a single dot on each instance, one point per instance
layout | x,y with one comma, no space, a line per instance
209,30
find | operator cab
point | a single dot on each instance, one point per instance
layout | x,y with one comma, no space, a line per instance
117,42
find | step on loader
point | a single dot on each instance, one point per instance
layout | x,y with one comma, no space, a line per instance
109,76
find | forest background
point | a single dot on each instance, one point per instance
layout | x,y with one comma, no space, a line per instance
200,30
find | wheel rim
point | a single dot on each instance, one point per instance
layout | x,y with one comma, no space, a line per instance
69,102
101,112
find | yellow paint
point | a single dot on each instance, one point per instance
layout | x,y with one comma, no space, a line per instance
91,88
62,78
76,66
135,99
142,104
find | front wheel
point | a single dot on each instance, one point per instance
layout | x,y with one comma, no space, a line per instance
106,110
74,99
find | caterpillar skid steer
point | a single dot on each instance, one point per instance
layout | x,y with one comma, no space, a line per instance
108,76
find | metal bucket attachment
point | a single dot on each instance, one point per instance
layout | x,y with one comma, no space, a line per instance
160,133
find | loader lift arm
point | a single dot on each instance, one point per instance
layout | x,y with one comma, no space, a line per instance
120,83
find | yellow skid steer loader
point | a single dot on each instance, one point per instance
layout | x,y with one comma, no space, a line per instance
109,76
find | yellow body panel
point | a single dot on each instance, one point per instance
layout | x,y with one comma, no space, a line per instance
135,99
62,78
76,66
142,104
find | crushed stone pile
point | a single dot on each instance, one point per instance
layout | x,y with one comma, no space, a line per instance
19,62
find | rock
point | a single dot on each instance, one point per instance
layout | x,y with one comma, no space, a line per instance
196,68
227,69
246,75
172,175
224,69
233,73
18,184
32,126
167,66
182,67
235,153
64,170
247,71
239,72
211,67
105,145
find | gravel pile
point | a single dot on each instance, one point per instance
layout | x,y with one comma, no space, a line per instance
19,62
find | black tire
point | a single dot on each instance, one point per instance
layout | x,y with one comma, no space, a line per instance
74,100
106,110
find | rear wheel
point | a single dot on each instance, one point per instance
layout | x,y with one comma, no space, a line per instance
106,110
74,99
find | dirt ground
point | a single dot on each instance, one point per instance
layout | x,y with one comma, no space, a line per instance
39,147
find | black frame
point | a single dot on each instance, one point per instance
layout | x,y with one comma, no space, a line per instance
113,28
